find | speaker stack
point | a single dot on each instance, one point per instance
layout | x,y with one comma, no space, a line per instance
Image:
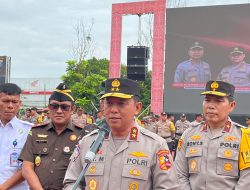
137,62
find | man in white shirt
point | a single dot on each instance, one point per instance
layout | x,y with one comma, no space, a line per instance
13,134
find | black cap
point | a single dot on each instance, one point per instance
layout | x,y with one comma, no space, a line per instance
62,93
183,115
164,113
196,45
219,88
198,115
236,50
121,88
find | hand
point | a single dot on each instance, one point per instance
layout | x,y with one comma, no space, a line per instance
2,187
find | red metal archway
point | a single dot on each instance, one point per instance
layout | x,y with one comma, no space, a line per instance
158,8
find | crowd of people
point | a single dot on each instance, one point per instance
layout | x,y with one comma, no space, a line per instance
46,151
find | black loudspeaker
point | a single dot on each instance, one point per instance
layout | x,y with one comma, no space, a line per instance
137,62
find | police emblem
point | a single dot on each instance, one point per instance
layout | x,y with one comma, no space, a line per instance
92,169
193,165
115,85
133,186
228,167
135,172
164,161
214,86
228,153
92,184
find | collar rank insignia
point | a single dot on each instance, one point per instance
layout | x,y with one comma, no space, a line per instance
133,134
115,85
214,86
227,127
204,127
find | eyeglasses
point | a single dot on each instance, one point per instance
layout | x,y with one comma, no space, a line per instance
55,107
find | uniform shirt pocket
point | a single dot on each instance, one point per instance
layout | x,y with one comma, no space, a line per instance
94,176
227,162
135,177
194,157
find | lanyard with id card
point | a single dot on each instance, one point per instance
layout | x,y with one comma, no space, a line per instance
14,162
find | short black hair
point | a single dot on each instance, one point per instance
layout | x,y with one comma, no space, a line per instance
10,89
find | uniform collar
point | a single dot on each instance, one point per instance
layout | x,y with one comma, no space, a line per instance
68,126
12,122
227,127
134,134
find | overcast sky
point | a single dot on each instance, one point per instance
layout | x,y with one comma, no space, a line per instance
39,34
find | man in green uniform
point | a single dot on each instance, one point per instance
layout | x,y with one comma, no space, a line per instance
49,146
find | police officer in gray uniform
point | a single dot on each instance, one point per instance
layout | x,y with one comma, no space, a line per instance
238,73
131,157
181,125
193,70
208,154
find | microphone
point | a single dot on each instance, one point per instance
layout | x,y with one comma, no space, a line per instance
96,145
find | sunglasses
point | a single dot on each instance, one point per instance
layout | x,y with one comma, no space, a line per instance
55,107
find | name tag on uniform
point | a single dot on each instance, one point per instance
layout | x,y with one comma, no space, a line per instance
14,162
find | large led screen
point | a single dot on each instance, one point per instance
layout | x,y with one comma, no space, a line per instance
204,43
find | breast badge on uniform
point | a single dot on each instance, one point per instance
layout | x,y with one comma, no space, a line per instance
37,161
138,154
164,161
193,165
72,137
228,167
42,136
133,186
93,184
135,172
196,137
230,138
66,149
228,153
92,169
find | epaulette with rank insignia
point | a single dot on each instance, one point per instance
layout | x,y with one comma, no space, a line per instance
40,125
238,125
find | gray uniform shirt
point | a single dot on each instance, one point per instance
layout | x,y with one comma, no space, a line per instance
181,126
238,75
210,162
142,162
188,72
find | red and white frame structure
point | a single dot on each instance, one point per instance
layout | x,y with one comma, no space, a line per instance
158,8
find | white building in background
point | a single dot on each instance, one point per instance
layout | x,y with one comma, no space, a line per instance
36,91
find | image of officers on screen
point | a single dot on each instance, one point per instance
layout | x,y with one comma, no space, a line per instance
193,70
238,73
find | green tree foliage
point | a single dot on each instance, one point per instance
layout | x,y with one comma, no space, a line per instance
85,79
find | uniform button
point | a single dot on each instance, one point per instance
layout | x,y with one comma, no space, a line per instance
53,159
56,148
51,171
